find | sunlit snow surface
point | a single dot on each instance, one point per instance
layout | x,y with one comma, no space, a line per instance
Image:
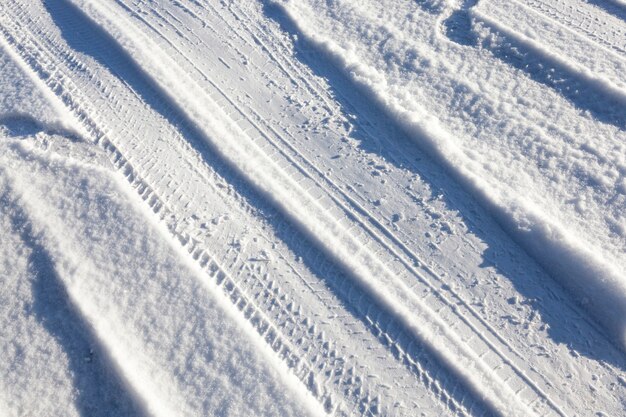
299,207
93,295
551,166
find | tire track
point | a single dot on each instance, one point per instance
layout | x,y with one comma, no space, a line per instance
507,376
585,19
601,92
185,233
577,49
166,208
160,208
263,32
369,223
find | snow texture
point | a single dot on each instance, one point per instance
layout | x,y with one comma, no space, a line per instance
553,177
100,314
194,223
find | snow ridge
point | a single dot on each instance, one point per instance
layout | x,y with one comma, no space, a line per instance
584,270
298,205
370,307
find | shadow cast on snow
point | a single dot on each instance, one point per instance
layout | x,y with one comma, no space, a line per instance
86,37
99,390
613,7
574,87
578,90
20,125
395,147
458,26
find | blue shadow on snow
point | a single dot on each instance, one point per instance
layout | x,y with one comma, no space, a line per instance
384,138
100,391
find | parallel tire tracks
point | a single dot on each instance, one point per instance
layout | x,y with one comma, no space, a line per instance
335,380
586,20
368,221
291,332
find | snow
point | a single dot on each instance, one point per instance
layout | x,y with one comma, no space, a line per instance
25,106
227,139
554,186
100,314
307,207
552,41
93,290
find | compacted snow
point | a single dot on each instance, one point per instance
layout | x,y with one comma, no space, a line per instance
554,177
303,207
100,314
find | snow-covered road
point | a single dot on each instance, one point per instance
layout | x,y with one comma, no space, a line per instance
310,207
